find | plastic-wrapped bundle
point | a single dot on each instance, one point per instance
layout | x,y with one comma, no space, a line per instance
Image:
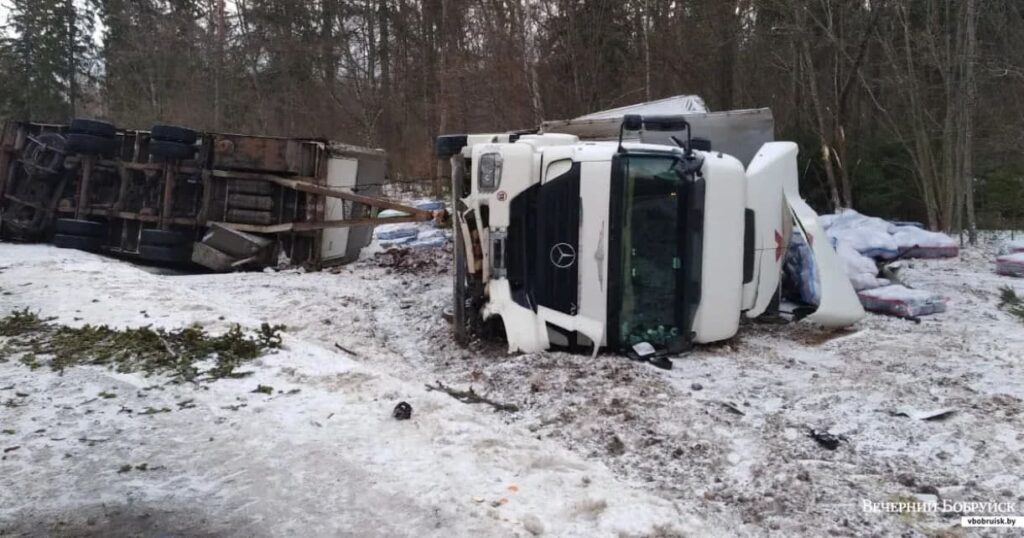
897,300
428,205
1013,246
870,236
1011,264
430,239
800,268
861,269
914,242
391,232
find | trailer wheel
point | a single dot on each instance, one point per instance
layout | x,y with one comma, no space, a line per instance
90,127
86,144
163,238
173,133
171,254
83,228
78,242
171,151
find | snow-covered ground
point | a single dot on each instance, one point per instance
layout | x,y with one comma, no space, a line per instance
600,447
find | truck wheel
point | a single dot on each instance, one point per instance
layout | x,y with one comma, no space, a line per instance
78,242
171,151
163,238
460,293
83,228
448,145
96,128
173,133
87,144
460,321
172,254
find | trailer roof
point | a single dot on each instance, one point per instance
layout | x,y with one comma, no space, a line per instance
678,104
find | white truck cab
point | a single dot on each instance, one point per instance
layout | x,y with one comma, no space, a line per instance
614,244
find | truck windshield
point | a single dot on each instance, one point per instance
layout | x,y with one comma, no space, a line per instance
653,218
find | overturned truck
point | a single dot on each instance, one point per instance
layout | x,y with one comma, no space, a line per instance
175,195
637,233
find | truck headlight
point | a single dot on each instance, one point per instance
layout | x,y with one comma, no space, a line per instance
489,173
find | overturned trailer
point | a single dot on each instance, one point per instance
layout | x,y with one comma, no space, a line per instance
174,195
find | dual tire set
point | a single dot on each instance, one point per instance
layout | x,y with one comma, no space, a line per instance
155,245
99,138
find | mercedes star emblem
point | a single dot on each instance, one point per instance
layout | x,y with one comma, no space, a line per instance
563,255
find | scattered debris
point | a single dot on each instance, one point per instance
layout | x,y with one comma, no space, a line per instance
263,389
826,439
471,397
107,395
345,349
407,260
11,448
732,408
145,349
616,447
403,411
186,404
1011,302
696,386
937,414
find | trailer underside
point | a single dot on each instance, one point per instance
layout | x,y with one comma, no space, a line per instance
223,201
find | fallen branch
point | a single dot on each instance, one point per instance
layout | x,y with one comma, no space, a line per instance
471,397
345,349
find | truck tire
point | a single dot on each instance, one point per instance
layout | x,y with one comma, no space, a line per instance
172,254
460,293
252,186
163,238
173,133
82,228
171,151
78,242
250,201
87,144
448,145
90,127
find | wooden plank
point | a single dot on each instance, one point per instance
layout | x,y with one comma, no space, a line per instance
306,185
313,226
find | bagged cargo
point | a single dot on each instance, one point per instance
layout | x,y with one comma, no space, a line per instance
1013,246
870,236
391,232
914,242
1011,264
800,268
429,205
900,301
861,269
